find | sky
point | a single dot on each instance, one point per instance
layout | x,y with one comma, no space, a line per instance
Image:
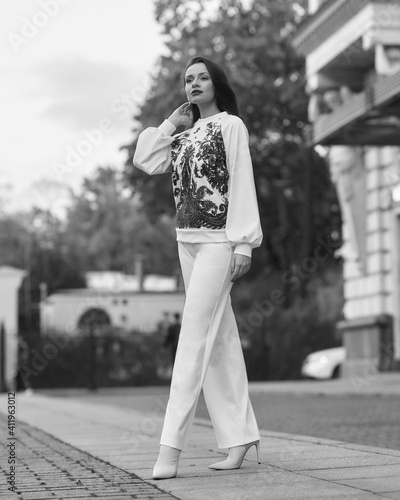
71,74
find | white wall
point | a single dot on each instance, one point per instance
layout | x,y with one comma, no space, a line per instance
130,310
10,281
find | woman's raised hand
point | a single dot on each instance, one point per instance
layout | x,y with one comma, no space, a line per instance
182,115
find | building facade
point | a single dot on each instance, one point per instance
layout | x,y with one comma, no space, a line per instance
352,51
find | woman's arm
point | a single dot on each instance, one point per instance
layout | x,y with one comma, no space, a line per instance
243,227
153,149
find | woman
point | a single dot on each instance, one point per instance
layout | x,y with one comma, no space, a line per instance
218,225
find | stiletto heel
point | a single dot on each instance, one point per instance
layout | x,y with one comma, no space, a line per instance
167,463
257,445
236,457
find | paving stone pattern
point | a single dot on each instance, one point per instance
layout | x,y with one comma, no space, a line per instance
50,469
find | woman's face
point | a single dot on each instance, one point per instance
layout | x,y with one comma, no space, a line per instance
198,84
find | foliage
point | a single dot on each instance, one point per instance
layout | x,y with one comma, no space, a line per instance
120,359
106,228
278,339
35,242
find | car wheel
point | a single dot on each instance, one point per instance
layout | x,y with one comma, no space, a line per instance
336,371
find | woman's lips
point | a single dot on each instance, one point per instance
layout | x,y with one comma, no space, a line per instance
195,92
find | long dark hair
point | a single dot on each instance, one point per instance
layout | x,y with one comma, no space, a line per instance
225,96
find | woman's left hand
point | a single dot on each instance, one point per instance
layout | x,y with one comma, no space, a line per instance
240,265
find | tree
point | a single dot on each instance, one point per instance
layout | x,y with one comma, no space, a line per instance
34,241
253,44
103,230
106,228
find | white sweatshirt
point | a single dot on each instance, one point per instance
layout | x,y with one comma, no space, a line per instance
212,179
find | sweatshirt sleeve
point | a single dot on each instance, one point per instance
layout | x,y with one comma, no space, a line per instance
153,149
243,227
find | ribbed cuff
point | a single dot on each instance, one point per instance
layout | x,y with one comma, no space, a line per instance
243,249
167,128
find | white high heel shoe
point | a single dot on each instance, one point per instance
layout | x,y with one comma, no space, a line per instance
167,463
236,457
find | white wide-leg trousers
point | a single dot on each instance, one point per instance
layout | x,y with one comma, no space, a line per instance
209,353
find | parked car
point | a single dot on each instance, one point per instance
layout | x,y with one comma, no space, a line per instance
324,364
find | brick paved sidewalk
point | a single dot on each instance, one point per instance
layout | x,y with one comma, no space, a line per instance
48,468
294,467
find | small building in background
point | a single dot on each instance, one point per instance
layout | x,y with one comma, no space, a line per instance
113,299
352,51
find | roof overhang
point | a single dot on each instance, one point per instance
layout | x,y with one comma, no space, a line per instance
332,17
346,41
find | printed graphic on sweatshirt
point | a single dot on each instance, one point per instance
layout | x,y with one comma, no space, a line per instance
200,178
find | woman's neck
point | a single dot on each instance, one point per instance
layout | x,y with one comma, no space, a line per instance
208,109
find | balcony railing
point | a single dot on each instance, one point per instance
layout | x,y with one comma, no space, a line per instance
370,117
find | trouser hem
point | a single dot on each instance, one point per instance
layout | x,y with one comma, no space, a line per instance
172,443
